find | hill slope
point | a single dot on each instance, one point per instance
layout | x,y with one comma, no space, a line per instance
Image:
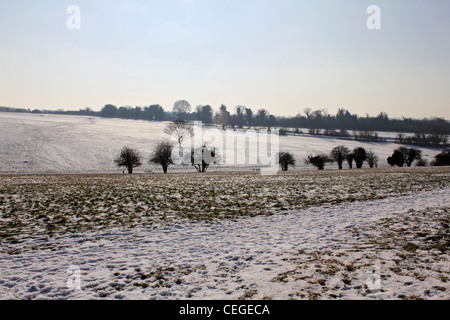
32,143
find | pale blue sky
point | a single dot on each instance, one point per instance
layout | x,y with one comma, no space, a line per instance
283,55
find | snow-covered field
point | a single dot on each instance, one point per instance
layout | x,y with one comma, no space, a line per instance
228,234
33,143
301,235
315,253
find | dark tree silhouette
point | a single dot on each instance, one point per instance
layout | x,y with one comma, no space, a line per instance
249,119
262,117
442,159
203,157
205,114
372,159
318,161
339,154
396,159
128,158
286,159
410,155
240,116
350,157
109,111
222,117
360,156
162,155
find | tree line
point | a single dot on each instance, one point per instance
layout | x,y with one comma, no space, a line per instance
201,158
401,157
428,131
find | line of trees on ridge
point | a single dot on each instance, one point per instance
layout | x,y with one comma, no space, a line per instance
426,132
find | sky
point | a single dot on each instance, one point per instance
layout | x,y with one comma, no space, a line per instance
281,55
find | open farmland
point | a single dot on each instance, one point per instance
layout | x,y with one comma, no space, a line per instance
300,235
45,205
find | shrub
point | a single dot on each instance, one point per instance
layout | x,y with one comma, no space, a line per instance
339,154
360,156
286,159
442,159
318,161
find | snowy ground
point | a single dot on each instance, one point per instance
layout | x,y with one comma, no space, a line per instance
316,253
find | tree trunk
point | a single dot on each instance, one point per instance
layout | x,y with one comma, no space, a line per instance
130,170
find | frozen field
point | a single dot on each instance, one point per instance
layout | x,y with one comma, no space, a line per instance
32,143
299,235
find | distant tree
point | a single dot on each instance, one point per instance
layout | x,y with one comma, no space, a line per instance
442,159
262,116
249,117
181,108
205,114
124,113
162,155
350,157
109,111
128,158
153,112
286,159
438,133
223,116
271,121
240,116
396,159
413,154
179,129
339,154
203,157
372,159
410,155
360,156
318,161
421,163
308,112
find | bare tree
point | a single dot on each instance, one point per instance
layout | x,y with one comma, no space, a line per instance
203,157
350,157
372,159
179,129
286,159
410,154
162,155
181,108
128,158
339,154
